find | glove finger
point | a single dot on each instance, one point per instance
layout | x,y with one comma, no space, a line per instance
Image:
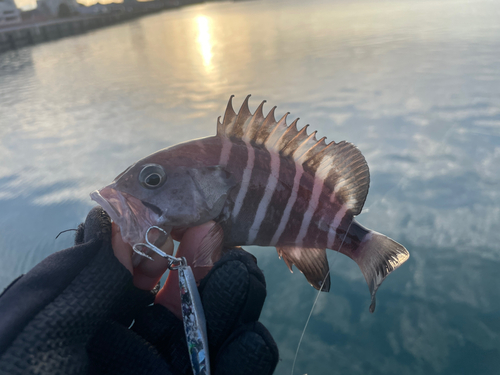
162,329
118,350
232,294
249,350
133,300
97,227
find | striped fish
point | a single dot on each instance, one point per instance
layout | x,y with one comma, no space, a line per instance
265,183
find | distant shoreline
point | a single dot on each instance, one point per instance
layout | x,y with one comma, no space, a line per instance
30,33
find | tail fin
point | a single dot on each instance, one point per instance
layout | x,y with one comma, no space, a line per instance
377,256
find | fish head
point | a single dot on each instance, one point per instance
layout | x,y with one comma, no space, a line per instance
153,192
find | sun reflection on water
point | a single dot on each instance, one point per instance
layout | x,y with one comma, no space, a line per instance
204,41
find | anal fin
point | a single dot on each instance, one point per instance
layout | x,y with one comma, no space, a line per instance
311,262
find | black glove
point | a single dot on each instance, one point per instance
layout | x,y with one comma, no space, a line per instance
70,315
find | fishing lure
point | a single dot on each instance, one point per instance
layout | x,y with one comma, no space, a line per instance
193,317
264,183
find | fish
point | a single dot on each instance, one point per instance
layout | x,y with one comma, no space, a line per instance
265,183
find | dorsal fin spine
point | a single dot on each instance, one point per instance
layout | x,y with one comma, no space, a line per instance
313,151
259,112
220,129
294,123
242,119
229,117
255,122
265,128
250,129
287,136
305,145
272,139
292,146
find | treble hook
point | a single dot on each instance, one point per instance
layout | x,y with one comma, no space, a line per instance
173,261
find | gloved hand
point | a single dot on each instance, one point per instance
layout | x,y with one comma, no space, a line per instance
70,315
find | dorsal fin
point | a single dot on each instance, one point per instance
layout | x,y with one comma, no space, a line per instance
341,165
229,117
344,169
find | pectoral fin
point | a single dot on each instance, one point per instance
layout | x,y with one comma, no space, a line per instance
210,247
311,262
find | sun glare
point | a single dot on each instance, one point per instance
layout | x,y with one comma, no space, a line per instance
204,40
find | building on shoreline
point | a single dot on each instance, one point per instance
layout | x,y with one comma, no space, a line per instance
9,14
58,8
54,19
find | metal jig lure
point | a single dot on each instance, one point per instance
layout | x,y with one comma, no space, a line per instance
193,316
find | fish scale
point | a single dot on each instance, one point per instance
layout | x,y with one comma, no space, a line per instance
265,183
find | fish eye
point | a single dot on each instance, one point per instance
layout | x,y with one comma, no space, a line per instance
152,176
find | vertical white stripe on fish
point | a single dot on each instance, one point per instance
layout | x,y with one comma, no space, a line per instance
332,231
289,205
324,167
313,204
225,152
245,180
272,182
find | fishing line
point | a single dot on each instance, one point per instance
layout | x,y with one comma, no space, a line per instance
316,299
64,231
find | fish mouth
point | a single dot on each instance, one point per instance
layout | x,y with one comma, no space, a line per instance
131,215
